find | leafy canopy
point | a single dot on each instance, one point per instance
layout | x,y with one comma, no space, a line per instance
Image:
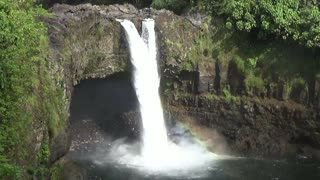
298,20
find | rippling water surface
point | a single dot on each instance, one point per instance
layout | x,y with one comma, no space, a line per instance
243,168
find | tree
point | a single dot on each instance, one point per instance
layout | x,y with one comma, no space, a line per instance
288,19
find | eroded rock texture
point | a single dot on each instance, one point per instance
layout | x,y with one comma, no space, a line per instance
87,42
252,127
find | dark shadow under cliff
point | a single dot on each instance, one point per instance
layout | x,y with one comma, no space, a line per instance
103,103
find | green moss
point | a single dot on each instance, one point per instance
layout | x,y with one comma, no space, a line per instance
186,65
253,82
298,81
41,173
210,96
248,68
294,84
174,5
240,63
29,97
53,104
43,154
263,62
202,49
56,172
229,97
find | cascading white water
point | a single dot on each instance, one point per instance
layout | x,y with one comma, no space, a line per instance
143,54
158,153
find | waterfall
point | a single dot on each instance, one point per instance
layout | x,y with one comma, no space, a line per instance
158,153
143,52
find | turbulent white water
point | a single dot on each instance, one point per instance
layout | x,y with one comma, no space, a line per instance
158,154
143,53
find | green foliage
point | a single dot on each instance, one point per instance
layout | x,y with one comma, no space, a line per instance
25,83
262,61
298,82
254,82
42,173
247,67
174,5
43,154
56,172
210,96
202,49
53,108
241,65
229,97
288,19
41,170
9,170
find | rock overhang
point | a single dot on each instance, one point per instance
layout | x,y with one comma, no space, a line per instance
88,42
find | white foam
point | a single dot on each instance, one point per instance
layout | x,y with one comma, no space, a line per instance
158,154
146,82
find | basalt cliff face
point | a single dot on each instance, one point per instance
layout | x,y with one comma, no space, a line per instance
200,85
87,42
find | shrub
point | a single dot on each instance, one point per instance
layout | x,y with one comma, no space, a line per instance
25,83
174,5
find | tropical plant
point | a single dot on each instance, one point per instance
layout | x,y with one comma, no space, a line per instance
24,80
298,20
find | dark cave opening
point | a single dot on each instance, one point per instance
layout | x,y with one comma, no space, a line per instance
104,104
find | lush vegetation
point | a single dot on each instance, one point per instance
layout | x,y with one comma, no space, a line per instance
174,5
298,20
270,41
287,19
26,93
255,42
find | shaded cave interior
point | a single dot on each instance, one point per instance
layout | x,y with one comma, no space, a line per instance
104,104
